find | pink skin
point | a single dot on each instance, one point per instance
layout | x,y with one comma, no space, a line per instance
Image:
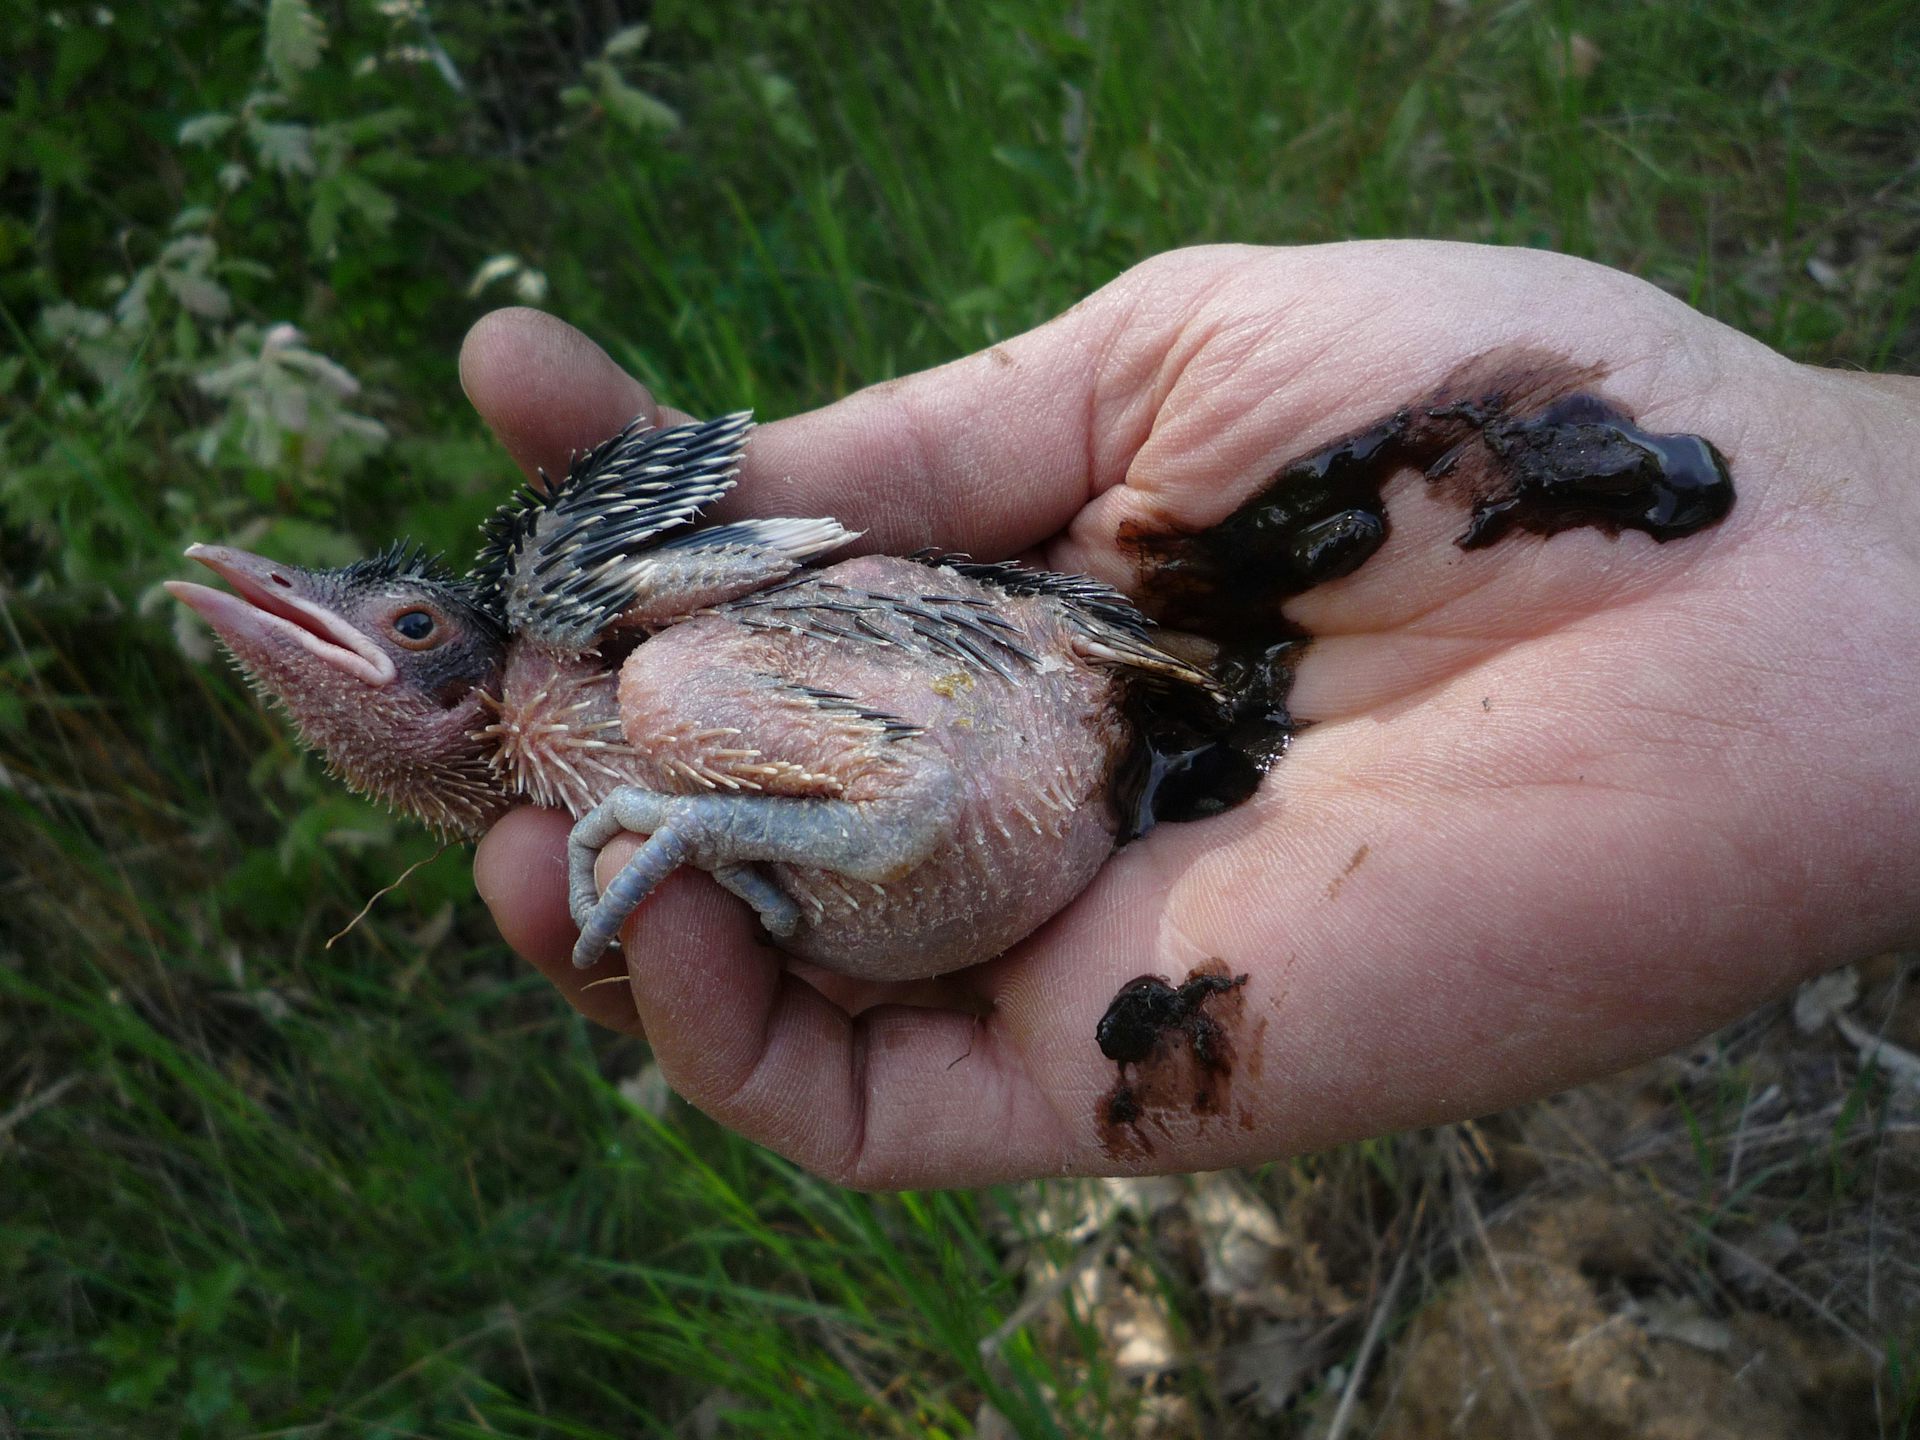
363,697
1568,803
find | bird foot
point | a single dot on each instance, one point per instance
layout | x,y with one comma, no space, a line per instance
672,825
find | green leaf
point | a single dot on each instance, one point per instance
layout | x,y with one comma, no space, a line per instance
295,37
372,203
282,145
633,107
139,1371
204,129
197,294
212,1394
625,41
374,125
201,1302
323,220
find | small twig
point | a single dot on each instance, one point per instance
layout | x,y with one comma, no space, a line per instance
520,1344
836,1343
386,889
1797,1131
1464,1194
1901,1066
33,1103
1376,1323
1740,1133
1510,1371
1769,1273
1041,1296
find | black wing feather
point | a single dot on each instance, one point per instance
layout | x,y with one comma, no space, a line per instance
548,556
1111,627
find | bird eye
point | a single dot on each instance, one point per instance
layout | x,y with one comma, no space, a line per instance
414,626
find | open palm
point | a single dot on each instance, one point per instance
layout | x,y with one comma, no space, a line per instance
1564,802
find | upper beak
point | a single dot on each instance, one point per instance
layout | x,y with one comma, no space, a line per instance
272,604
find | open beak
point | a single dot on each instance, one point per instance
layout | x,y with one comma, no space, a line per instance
270,608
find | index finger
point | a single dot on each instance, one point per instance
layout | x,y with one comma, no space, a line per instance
991,453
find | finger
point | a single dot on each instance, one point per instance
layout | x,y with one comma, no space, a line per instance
894,1096
520,870
546,390
995,452
985,454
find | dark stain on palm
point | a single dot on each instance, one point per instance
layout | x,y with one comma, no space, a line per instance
1582,461
1359,859
1173,1048
1516,437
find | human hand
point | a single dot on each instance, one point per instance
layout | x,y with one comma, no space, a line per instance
1565,803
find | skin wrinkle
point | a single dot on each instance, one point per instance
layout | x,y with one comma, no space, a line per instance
1114,385
1530,979
1325,676
1065,1131
914,436
1221,428
853,1158
1486,577
1440,777
1197,337
1008,396
1091,429
916,1074
1157,494
1496,659
792,1018
1620,589
996,1068
1836,497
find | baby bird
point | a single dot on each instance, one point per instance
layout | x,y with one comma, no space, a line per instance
902,764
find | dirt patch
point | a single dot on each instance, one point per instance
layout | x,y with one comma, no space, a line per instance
1566,1327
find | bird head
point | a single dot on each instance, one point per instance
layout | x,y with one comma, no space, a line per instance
385,666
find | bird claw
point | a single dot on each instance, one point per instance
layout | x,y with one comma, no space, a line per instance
600,914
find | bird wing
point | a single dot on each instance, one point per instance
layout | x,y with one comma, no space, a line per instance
1108,629
614,542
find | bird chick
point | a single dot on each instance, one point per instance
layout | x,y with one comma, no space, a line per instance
902,764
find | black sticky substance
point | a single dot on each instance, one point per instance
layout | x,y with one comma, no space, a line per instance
1145,1009
1169,1052
1123,1106
1582,462
1510,436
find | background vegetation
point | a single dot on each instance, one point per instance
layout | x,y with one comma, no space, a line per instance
250,1184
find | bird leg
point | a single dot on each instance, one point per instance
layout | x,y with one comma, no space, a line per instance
727,834
772,904
601,916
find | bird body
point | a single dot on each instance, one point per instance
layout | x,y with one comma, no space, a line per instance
983,784
902,764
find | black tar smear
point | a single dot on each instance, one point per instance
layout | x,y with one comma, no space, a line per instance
1173,1047
1513,436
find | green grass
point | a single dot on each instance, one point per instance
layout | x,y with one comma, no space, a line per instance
253,1185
